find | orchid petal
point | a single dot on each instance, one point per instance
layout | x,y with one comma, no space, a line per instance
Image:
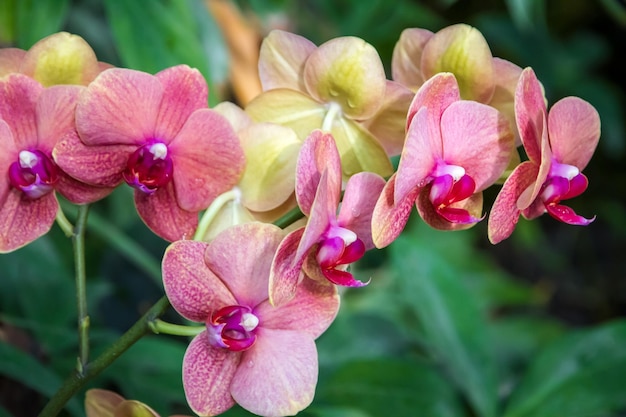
79,192
281,60
162,214
468,212
101,403
184,91
271,153
318,153
537,208
207,372
286,270
192,288
574,131
119,107
290,358
323,214
478,138
357,206
567,215
8,155
530,194
407,57
133,408
463,51
242,256
23,221
347,71
577,186
507,77
208,159
237,117
530,112
436,94
18,98
389,218
342,278
10,60
55,114
505,212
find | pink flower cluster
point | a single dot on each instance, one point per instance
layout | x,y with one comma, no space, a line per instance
319,140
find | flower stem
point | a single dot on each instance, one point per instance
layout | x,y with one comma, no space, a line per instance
64,223
289,218
76,380
214,208
78,240
160,326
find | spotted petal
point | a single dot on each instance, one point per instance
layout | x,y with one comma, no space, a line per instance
18,98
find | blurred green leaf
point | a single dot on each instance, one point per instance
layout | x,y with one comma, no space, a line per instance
391,387
4,412
27,370
24,22
581,374
454,327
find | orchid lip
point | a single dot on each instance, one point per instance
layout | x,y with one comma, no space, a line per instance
149,168
558,169
34,173
232,328
455,171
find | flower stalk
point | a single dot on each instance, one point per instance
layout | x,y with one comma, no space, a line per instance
78,241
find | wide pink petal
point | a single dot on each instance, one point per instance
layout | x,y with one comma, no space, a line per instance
422,150
436,94
323,214
207,375
242,256
478,138
23,220
208,159
318,153
472,205
8,155
184,91
281,60
357,206
574,131
277,376
55,114
407,57
79,192
162,214
18,98
119,107
10,60
504,212
530,110
389,218
96,165
286,270
311,311
192,288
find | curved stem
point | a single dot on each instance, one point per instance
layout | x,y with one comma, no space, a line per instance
160,326
64,223
214,208
291,217
76,381
78,240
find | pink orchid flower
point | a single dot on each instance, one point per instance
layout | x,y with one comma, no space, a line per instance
32,120
559,145
454,150
156,133
259,356
330,241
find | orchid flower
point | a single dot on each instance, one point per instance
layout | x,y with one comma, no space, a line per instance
330,241
339,87
454,149
259,356
559,145
61,58
156,133
32,120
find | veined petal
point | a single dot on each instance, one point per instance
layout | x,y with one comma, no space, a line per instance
207,374
389,217
357,206
162,214
574,131
436,94
506,78
529,195
504,212
530,112
55,114
18,98
281,60
184,91
119,107
271,153
7,157
23,220
277,376
79,192
472,206
242,256
61,58
208,159
10,60
286,270
192,288
463,51
347,71
407,57
478,138
318,153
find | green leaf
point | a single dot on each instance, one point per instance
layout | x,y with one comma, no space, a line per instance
581,374
4,412
23,368
390,387
28,21
453,323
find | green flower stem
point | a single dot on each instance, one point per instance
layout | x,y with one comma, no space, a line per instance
77,381
64,223
288,219
214,208
160,326
78,240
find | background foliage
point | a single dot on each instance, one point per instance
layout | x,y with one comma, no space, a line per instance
449,326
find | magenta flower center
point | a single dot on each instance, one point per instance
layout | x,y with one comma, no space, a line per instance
232,328
149,167
34,173
450,185
338,248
